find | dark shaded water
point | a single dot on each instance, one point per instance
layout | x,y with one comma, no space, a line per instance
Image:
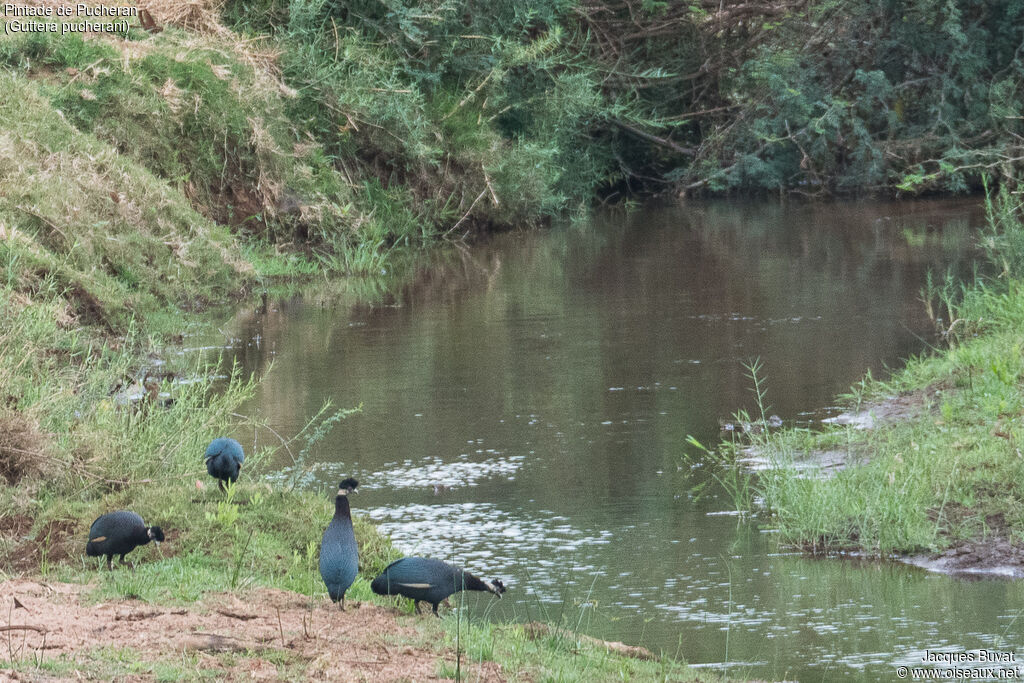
526,405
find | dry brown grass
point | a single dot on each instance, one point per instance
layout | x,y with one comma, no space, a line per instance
196,15
316,640
23,447
204,33
202,16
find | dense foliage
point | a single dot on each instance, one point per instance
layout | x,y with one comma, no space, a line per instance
339,130
347,128
817,98
621,95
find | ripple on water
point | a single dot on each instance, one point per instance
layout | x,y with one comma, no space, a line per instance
428,473
436,472
489,539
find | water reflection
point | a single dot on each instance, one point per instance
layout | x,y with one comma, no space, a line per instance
526,404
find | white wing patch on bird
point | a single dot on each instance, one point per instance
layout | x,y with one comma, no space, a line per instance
414,585
97,539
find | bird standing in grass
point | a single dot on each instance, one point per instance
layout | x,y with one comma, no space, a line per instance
224,458
118,533
339,555
420,578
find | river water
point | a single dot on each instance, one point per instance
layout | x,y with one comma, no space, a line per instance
526,404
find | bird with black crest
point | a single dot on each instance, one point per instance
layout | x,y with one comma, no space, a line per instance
339,555
119,533
429,580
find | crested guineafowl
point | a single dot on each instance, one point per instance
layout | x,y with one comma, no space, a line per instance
432,581
118,533
339,555
224,458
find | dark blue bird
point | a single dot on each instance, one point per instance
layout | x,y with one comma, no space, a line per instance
429,580
224,458
118,533
339,555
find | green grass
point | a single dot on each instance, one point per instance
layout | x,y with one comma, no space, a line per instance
954,470
270,263
111,663
199,113
83,224
105,456
115,663
927,482
917,484
560,656
271,539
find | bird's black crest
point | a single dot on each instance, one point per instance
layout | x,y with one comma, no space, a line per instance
499,586
349,484
158,534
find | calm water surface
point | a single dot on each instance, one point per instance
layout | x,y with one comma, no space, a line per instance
526,404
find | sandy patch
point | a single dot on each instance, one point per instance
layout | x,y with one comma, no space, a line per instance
356,645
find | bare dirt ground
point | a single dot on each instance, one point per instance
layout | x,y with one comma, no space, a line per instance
364,643
994,557
897,408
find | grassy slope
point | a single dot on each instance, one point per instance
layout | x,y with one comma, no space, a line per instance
85,224
950,473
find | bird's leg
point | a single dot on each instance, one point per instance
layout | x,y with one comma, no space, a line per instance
220,483
109,558
435,610
341,603
417,605
131,565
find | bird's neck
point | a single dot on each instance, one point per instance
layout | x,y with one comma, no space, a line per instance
341,508
473,583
